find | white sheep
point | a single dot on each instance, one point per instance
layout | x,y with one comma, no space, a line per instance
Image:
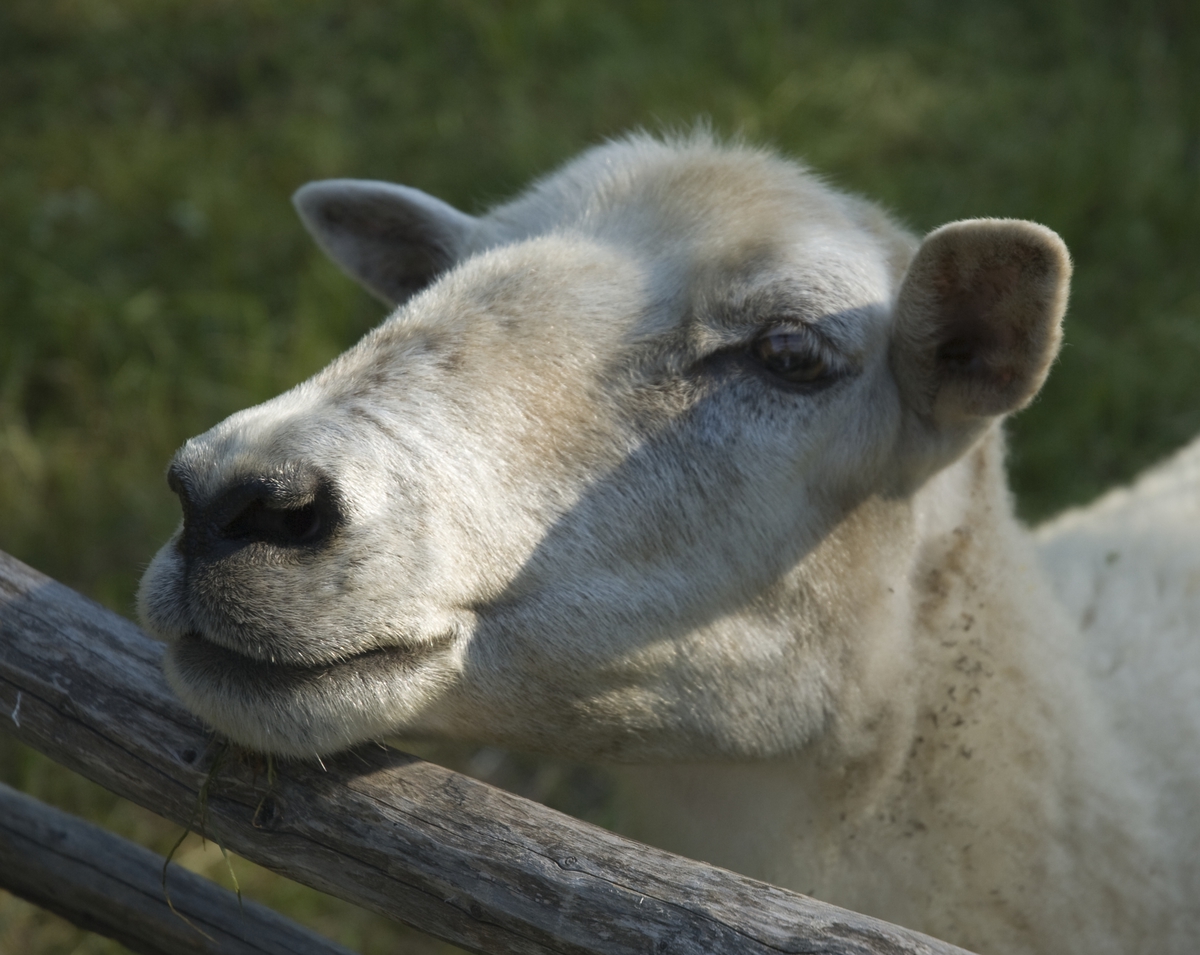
686,462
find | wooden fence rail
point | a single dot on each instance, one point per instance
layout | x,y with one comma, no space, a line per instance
444,853
109,885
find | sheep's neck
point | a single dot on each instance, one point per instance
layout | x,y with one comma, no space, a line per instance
965,790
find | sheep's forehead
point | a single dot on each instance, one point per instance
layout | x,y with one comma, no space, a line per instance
647,190
701,224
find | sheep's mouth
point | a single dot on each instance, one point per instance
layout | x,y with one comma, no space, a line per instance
275,651
294,709
204,666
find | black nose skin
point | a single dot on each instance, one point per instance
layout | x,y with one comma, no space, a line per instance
294,507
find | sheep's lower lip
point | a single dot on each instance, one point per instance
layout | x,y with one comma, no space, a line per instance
296,710
207,666
282,656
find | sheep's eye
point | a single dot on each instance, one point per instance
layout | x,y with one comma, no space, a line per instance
790,356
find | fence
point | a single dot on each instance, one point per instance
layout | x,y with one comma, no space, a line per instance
449,855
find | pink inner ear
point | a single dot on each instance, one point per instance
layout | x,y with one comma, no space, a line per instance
980,309
975,336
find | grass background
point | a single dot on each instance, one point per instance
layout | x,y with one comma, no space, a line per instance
153,278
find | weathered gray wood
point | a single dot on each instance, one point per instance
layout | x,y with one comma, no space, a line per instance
108,885
455,857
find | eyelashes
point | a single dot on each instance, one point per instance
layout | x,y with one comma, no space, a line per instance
791,357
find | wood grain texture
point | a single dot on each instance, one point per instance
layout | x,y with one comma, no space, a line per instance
444,853
106,884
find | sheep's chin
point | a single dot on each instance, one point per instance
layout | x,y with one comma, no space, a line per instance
291,710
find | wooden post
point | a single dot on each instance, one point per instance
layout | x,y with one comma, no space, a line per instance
444,853
106,884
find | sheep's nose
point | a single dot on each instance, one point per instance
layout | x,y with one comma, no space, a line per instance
294,507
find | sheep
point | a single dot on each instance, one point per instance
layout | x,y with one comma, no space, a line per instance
686,463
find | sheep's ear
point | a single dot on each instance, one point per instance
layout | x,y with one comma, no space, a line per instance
978,322
391,239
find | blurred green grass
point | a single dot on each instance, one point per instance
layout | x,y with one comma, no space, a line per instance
153,277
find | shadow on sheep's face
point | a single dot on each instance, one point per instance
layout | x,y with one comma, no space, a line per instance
626,479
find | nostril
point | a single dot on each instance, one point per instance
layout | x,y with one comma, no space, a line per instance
293,506
275,525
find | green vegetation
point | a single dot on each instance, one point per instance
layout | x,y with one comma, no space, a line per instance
154,278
